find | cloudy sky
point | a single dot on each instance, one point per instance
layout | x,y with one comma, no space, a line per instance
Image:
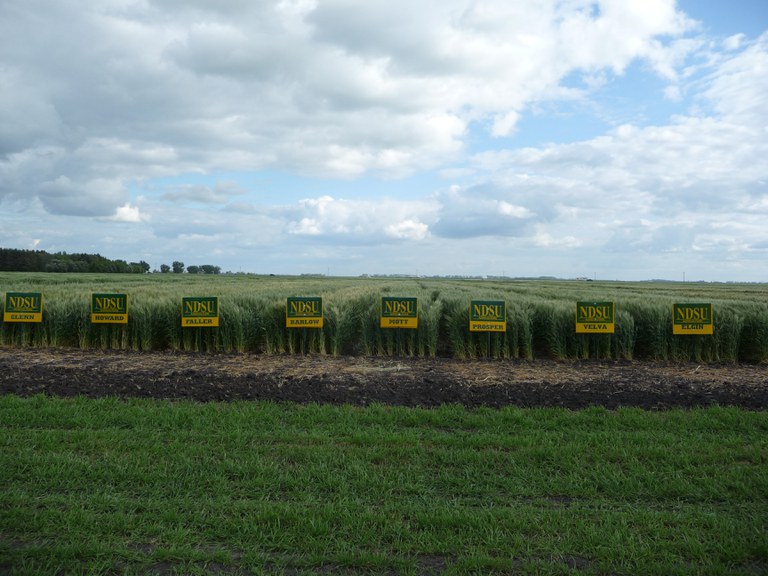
621,139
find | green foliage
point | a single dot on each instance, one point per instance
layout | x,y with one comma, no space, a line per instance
13,260
553,329
540,317
753,340
115,486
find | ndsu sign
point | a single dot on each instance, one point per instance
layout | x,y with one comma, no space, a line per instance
692,319
109,308
399,312
304,312
200,312
595,318
23,307
487,316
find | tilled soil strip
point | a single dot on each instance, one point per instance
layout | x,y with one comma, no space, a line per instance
423,382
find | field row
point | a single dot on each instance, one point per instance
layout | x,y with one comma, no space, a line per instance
252,317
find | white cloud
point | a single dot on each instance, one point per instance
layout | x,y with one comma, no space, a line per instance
336,88
504,124
545,240
364,222
695,187
127,213
734,42
507,209
738,87
306,226
114,116
407,230
93,197
219,194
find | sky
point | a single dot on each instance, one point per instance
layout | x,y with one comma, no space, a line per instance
612,139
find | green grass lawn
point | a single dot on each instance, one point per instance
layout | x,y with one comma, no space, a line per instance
133,487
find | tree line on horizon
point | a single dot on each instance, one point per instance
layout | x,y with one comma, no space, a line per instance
17,260
178,268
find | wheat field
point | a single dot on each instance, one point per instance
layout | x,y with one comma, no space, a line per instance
540,317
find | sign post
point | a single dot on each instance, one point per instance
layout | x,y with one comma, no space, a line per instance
399,313
487,316
692,319
595,318
23,307
109,308
200,312
304,312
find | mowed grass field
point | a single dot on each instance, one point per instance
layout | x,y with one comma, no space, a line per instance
113,486
540,317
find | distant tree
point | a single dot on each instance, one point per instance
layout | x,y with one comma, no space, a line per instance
13,260
138,267
164,268
121,266
57,265
193,269
78,266
178,267
210,269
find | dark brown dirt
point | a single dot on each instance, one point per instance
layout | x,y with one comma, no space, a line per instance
395,381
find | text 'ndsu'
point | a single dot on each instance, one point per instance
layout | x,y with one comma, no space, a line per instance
200,312
399,312
595,318
23,307
109,308
692,319
304,312
487,316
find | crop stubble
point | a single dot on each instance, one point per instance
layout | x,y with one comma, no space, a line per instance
424,382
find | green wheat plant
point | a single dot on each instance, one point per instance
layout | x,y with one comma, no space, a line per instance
540,317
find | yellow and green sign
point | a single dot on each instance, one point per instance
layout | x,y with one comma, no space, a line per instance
399,312
487,316
23,307
304,312
595,318
109,308
692,319
202,311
